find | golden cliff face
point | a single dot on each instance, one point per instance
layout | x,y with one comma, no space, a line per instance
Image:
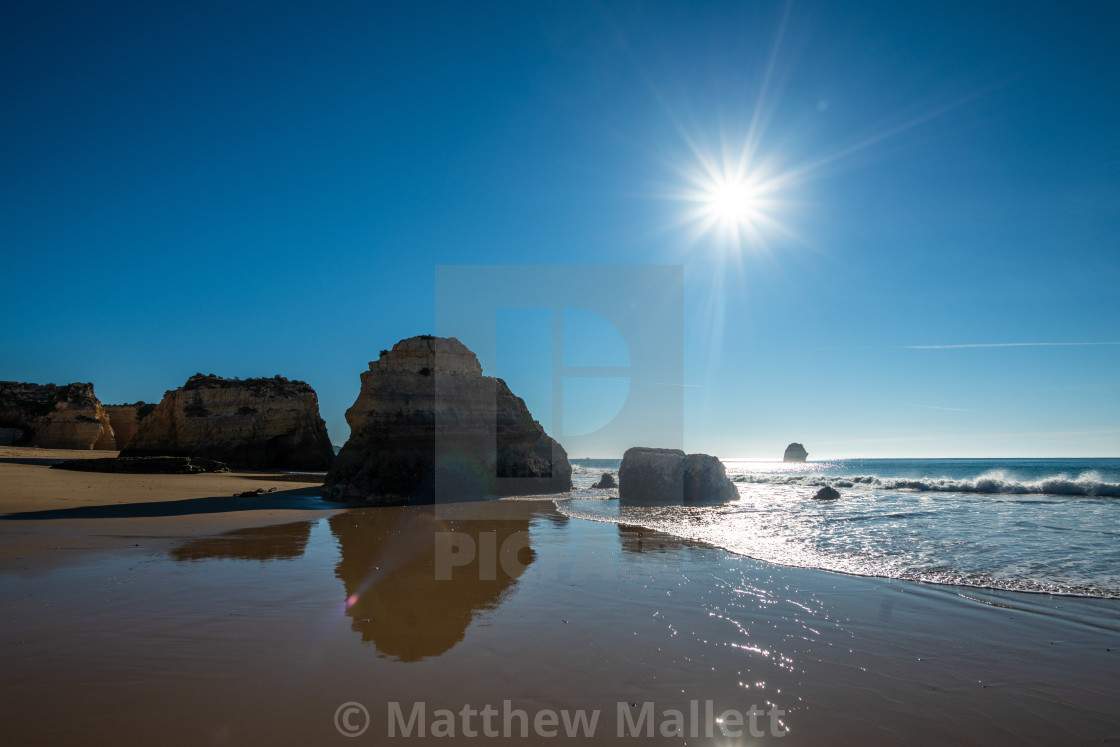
251,423
427,421
54,417
125,420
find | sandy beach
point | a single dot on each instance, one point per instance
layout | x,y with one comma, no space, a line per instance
162,610
97,511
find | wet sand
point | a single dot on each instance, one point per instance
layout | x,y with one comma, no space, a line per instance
254,625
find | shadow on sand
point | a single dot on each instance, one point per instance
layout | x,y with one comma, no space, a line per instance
33,461
297,499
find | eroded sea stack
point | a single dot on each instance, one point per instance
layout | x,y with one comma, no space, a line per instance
247,423
53,417
428,425
658,477
795,452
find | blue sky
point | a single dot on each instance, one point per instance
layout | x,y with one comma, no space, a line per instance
259,188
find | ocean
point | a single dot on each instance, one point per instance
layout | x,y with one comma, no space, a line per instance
1035,525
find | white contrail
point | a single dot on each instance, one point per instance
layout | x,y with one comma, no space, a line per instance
1006,345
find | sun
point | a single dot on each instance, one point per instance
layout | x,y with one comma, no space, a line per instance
732,202
737,197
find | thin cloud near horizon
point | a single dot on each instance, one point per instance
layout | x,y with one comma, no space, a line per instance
1006,345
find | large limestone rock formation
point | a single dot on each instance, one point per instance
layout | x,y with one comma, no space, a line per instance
427,426
656,477
53,417
795,453
250,423
125,419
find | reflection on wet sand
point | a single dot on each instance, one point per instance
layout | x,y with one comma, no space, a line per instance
277,542
416,577
636,539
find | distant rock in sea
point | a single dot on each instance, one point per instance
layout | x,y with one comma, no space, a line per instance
827,493
670,477
605,482
249,423
53,417
427,420
125,420
795,453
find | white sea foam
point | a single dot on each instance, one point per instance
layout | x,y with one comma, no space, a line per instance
995,482
1042,525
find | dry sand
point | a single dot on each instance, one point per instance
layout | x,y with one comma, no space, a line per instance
252,621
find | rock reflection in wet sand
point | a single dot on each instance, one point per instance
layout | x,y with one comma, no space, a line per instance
388,566
276,542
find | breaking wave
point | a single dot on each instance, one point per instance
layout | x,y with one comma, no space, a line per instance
1088,484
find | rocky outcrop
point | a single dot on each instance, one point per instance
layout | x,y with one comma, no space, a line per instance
670,477
254,493
144,465
795,453
249,423
125,420
427,426
53,417
827,493
605,482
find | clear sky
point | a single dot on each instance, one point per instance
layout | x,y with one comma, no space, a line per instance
857,192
